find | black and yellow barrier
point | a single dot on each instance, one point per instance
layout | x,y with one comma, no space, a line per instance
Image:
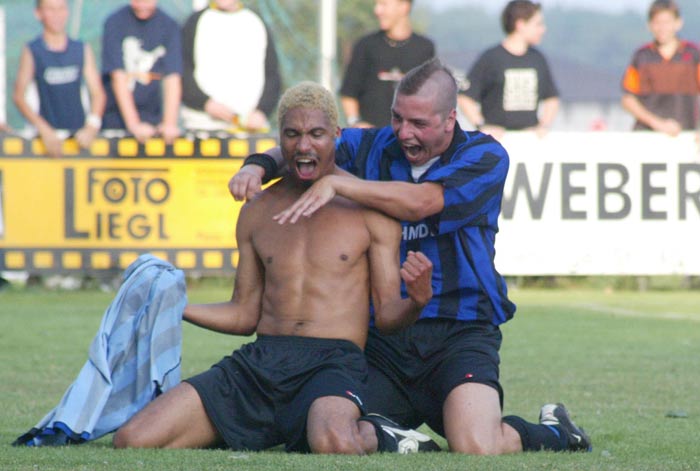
97,210
211,147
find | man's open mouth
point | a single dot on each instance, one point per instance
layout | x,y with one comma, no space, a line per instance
306,167
411,151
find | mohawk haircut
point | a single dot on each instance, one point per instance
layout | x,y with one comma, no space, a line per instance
431,70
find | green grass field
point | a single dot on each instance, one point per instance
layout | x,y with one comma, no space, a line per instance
625,363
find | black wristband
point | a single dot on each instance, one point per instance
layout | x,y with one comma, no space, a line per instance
264,161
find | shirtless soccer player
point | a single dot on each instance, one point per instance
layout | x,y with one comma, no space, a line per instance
305,290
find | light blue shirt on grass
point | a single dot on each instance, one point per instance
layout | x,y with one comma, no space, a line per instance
133,358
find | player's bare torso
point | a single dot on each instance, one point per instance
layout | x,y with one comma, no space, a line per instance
316,271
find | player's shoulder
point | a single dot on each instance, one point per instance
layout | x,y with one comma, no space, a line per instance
379,221
262,198
352,207
477,146
258,210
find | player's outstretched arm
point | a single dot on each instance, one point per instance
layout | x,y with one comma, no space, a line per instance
248,181
241,314
400,200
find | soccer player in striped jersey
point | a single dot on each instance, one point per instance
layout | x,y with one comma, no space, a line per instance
446,186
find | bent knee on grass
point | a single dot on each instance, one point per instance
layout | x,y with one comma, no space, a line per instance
496,439
478,444
176,419
472,416
336,441
332,427
124,438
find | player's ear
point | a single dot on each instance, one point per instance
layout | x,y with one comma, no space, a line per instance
450,121
337,131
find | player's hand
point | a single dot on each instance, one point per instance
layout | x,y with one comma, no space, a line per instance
247,182
417,274
320,193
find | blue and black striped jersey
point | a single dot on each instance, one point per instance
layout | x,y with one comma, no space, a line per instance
460,239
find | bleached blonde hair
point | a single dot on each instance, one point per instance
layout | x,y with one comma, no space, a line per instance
308,95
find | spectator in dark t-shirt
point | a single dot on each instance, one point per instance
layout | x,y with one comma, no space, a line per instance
141,54
509,81
379,61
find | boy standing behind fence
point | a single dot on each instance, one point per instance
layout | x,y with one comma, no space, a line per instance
59,65
662,83
510,86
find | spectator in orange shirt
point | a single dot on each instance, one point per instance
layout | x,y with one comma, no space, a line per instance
662,82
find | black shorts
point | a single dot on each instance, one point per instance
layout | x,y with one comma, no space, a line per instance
412,372
260,396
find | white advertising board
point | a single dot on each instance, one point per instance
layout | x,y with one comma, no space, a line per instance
600,204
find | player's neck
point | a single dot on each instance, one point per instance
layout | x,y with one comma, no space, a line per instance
515,44
55,41
299,186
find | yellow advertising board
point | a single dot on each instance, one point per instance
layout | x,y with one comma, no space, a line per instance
85,213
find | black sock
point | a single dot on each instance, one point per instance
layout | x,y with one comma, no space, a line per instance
536,437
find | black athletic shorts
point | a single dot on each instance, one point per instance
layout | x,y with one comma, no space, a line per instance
260,396
412,372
